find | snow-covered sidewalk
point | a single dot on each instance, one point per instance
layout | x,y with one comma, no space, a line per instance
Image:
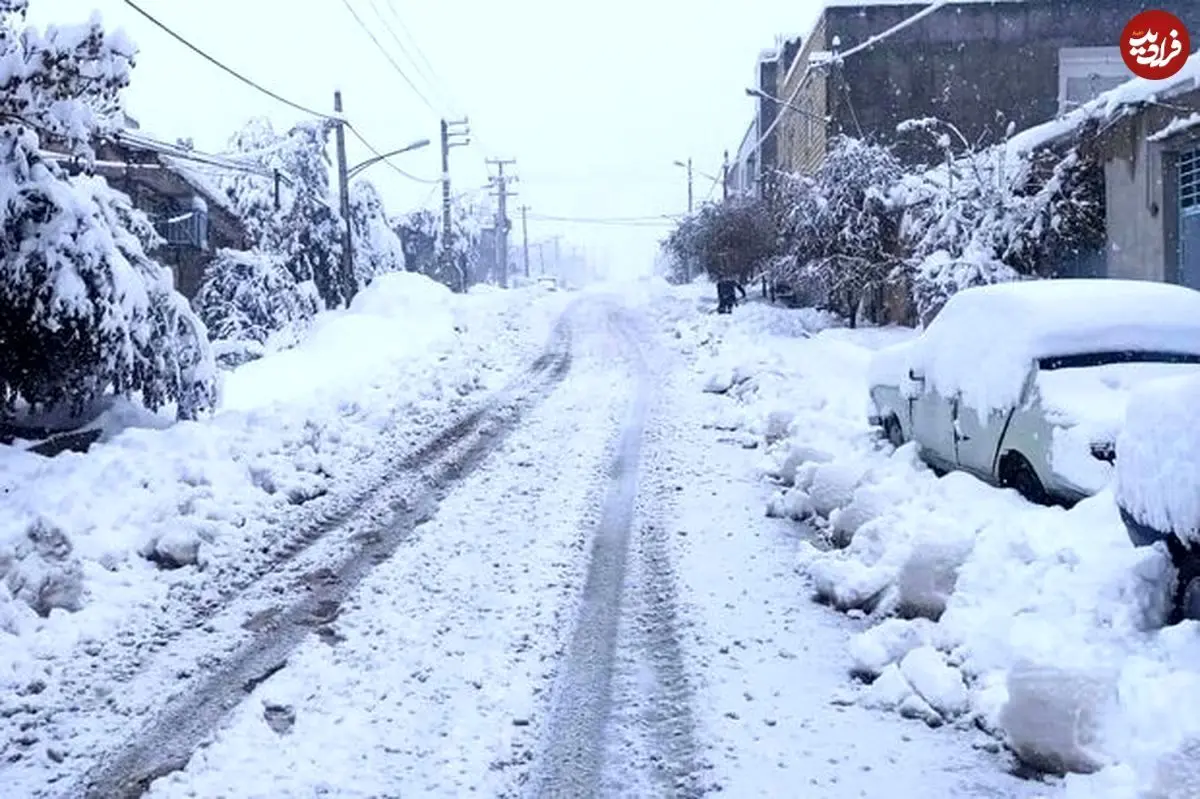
1038,624
773,698
160,524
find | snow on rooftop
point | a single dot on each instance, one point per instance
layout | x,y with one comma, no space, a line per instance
1177,125
985,339
1133,92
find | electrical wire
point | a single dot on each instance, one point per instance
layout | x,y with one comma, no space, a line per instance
870,41
384,160
273,95
219,65
388,56
420,53
429,80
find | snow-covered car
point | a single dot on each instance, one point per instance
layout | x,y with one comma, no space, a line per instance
1157,485
548,283
1025,384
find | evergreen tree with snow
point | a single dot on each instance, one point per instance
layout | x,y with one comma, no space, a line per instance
377,248
84,311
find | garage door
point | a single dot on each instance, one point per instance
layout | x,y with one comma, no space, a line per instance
1189,218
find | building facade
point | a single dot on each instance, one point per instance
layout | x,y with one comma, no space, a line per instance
1152,189
985,67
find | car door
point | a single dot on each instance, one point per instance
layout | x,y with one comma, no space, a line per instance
977,436
932,423
977,439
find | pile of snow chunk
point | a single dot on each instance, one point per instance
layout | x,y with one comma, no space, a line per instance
85,539
1040,625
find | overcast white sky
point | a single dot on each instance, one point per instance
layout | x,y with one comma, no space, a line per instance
594,100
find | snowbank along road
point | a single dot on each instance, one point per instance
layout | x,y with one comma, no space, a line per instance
301,590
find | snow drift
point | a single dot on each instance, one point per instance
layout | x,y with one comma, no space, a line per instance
1041,625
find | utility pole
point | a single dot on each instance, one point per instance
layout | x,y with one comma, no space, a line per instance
725,177
447,224
503,224
689,167
525,236
347,280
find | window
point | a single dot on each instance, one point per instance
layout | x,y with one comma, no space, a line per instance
1189,182
1084,73
1188,168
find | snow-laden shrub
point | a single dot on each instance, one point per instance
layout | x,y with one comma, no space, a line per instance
987,215
377,248
840,227
83,309
732,239
249,296
306,231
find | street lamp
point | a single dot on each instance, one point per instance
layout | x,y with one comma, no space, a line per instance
760,94
370,162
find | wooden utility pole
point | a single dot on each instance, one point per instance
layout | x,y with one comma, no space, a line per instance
347,277
725,177
447,223
689,168
525,235
503,223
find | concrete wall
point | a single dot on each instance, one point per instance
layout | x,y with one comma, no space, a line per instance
978,65
1141,193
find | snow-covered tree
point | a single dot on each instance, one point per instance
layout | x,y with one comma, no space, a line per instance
377,247
418,232
248,297
732,239
996,214
84,311
839,227
306,230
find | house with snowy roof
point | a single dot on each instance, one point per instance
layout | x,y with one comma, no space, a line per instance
982,65
193,216
1147,135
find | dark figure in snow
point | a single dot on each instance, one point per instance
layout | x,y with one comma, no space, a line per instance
727,291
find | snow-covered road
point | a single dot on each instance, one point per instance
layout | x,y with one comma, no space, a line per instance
572,593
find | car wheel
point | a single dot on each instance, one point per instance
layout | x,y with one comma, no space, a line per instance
1017,473
1187,584
893,432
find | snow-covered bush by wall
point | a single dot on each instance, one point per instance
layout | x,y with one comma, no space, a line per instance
306,230
377,248
249,299
988,215
83,309
838,227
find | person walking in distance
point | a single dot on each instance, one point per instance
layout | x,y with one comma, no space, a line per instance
727,291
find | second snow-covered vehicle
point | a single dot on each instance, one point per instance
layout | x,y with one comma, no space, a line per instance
1024,384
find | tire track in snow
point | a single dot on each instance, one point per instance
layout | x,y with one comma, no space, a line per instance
623,672
168,741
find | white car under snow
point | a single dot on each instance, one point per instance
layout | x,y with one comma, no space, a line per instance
1025,384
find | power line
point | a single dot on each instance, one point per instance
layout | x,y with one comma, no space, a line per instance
222,67
273,95
388,56
384,159
420,53
870,41
404,51
613,221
